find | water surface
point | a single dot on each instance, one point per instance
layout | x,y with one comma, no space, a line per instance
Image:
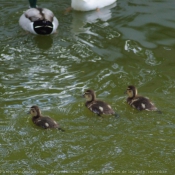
125,43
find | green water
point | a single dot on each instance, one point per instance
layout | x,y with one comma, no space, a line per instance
126,43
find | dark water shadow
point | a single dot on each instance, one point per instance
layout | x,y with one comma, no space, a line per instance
43,42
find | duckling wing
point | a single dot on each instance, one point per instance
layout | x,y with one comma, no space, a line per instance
143,103
46,122
100,107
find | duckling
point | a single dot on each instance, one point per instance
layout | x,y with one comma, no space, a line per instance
44,122
96,106
139,102
87,5
39,21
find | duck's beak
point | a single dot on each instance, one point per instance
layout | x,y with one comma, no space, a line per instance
125,92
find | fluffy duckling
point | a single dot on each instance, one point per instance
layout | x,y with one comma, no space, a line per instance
87,5
96,106
42,121
39,21
139,102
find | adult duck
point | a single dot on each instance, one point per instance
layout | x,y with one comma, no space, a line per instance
39,21
87,5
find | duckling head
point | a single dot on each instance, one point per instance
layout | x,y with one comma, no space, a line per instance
89,95
35,111
131,91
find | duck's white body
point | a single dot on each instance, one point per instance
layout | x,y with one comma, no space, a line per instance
39,21
87,5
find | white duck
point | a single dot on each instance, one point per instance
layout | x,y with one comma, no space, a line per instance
87,5
39,21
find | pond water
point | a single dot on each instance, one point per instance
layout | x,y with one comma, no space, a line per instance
107,50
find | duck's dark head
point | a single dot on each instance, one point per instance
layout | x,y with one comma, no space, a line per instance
35,111
131,91
32,3
89,95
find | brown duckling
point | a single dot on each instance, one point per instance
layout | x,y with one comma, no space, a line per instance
42,121
139,102
96,106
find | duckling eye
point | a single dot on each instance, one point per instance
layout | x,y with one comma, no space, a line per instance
32,110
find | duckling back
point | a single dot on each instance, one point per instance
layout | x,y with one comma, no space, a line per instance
141,103
45,122
99,107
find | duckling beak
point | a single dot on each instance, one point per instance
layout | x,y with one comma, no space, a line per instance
125,92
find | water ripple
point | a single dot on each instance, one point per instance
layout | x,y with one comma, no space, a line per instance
106,50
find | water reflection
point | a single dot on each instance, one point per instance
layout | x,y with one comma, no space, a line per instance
43,42
80,19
